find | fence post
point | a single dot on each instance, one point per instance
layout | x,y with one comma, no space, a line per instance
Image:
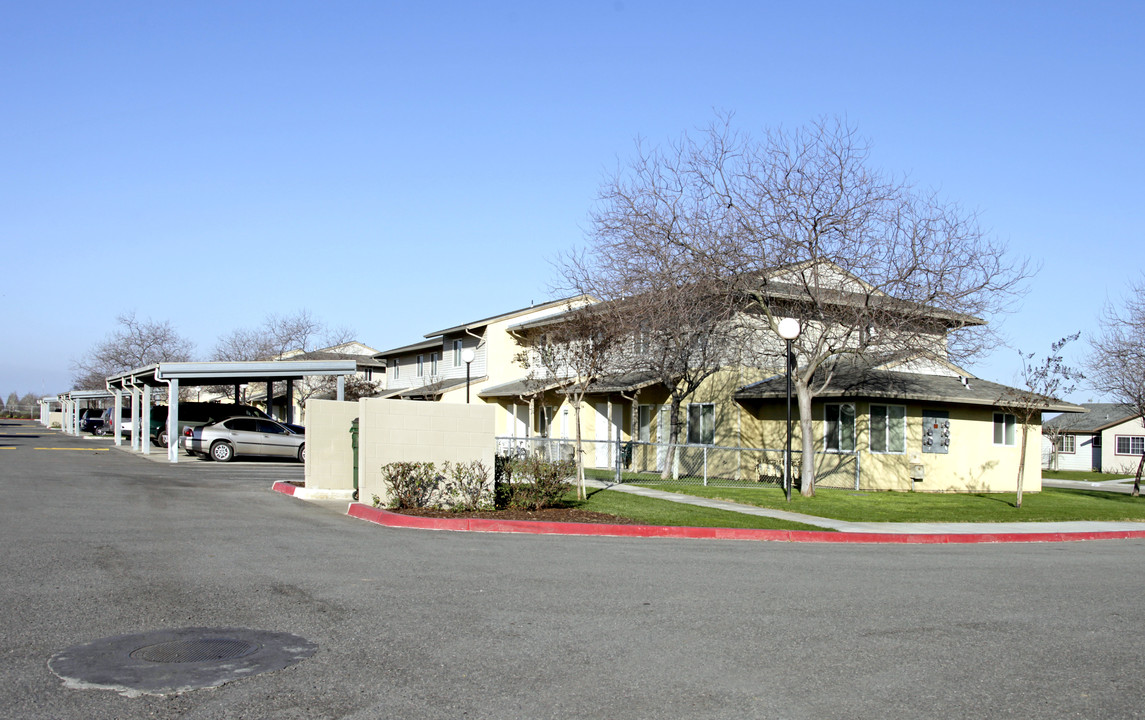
705,465
857,474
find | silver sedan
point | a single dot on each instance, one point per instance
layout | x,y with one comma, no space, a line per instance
225,440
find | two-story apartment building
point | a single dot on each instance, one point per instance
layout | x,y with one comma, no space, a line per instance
913,421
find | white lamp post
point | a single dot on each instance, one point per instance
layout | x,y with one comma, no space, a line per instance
788,330
467,356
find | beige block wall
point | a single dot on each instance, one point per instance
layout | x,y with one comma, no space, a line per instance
329,448
407,431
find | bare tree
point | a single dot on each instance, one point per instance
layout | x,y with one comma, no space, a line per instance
798,225
569,356
1117,357
1044,381
136,343
276,337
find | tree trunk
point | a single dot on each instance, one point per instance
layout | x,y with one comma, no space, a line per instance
581,493
1137,479
673,438
1021,467
806,440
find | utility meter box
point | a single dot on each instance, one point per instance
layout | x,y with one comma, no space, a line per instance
936,431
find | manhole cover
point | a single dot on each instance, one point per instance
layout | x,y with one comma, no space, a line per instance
174,661
189,651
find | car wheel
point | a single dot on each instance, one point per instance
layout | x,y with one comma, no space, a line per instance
222,451
302,453
161,438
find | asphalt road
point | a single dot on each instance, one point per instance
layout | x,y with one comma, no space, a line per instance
422,624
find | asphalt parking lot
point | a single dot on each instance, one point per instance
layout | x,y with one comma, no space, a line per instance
421,624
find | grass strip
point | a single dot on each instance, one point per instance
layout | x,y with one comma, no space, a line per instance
1081,476
1049,505
650,511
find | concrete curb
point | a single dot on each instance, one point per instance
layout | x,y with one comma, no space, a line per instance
397,520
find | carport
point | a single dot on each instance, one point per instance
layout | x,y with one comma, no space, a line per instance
138,384
72,402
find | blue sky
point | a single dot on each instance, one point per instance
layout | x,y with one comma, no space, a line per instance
402,167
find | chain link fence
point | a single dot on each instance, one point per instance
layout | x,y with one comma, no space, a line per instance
639,462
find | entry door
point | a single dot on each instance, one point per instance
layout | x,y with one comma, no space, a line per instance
606,430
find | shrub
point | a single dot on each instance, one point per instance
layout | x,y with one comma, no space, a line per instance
535,483
467,486
411,484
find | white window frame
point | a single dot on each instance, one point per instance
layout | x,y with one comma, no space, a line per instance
1130,441
456,353
433,364
886,434
1067,444
837,446
706,429
1005,427
421,365
397,367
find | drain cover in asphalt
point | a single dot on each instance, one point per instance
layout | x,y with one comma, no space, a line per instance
174,661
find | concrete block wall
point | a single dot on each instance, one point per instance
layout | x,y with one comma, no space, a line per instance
406,431
329,449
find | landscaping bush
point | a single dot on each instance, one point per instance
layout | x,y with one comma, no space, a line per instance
467,486
535,483
411,484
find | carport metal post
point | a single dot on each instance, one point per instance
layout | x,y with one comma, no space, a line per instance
290,401
341,388
145,420
117,417
173,437
134,415
270,399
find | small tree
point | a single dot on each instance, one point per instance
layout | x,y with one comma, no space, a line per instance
569,355
1044,380
1117,358
134,344
797,224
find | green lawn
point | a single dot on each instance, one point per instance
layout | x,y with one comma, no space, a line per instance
1078,475
649,511
1051,504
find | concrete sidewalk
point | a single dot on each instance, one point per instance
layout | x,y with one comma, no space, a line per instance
886,527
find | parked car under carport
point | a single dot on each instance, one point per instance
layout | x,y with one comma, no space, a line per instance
246,436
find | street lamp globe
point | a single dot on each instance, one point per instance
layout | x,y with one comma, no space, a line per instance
789,328
467,355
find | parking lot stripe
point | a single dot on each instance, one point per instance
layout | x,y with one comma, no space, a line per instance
79,449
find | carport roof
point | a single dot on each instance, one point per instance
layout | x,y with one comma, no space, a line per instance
228,373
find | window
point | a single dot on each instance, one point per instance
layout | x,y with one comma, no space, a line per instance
433,364
839,433
1097,441
397,368
545,415
1130,445
368,373
701,423
421,365
640,343
456,353
1004,424
888,428
1067,444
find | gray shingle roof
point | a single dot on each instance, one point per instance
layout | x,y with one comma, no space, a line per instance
1099,417
855,381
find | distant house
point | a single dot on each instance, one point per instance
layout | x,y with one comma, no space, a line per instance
1109,438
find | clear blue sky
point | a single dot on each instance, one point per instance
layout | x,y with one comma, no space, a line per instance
400,167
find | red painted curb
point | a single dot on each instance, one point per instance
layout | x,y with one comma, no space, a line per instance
389,519
284,487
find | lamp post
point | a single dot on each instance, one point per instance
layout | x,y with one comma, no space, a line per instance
467,356
788,330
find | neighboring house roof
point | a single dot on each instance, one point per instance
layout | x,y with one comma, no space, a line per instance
857,381
506,316
429,390
363,361
420,345
1099,417
627,382
522,387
